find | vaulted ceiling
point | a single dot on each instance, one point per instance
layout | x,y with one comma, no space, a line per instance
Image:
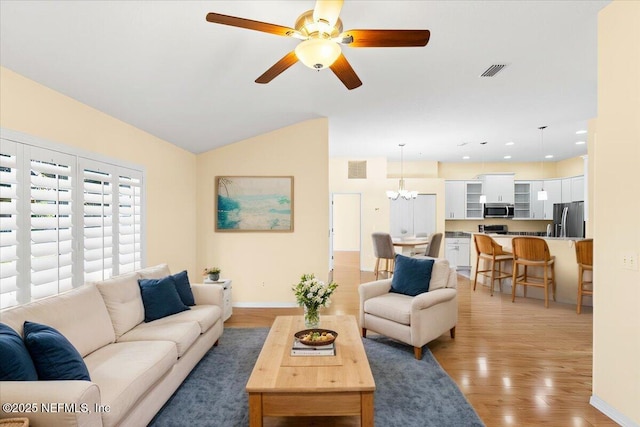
160,66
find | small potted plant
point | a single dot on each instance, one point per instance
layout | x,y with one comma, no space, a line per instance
212,272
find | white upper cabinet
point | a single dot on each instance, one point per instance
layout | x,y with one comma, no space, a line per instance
454,199
577,189
566,190
553,188
537,206
499,188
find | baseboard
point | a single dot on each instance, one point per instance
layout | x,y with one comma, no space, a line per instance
265,304
611,412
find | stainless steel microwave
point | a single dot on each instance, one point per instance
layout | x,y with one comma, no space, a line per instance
498,210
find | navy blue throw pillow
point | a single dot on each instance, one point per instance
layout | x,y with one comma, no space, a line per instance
160,298
53,355
184,288
411,276
15,361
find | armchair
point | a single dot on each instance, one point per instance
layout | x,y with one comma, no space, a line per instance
412,320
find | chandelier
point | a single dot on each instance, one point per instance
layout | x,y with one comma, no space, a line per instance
402,192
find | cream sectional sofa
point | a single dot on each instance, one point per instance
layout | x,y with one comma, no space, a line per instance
134,366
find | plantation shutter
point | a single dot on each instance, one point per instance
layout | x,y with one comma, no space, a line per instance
51,221
129,220
9,198
98,210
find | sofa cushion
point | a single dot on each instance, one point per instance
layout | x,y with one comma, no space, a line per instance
54,357
411,276
15,361
184,288
125,371
155,272
391,306
122,297
204,315
79,314
183,334
439,274
160,298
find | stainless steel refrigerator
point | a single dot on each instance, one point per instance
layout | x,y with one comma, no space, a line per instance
568,219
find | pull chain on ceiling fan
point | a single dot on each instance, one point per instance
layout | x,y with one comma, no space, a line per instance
321,33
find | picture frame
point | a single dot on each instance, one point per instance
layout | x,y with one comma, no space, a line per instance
254,204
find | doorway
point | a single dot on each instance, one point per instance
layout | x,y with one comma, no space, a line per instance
345,237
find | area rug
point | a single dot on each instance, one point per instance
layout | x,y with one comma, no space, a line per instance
409,392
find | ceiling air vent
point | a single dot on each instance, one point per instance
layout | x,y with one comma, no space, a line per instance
493,70
358,169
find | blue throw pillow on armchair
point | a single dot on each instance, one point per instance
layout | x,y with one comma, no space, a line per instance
54,357
160,298
15,361
411,276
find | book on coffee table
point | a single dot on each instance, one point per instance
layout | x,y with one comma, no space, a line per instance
300,349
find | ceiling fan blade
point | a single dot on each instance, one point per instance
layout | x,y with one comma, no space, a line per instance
287,61
249,24
385,38
345,73
328,10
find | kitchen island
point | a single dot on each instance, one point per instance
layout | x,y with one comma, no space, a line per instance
566,270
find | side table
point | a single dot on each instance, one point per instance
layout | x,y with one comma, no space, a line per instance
227,309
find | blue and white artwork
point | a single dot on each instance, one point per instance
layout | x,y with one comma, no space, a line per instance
254,203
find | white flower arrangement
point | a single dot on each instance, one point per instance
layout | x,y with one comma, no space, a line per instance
313,293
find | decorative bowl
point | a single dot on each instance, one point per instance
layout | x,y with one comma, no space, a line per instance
313,336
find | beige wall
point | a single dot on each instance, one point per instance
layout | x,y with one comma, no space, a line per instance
616,329
570,167
31,108
265,265
346,222
530,170
375,204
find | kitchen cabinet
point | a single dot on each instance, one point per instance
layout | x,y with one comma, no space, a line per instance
553,188
537,206
499,188
566,190
522,201
474,209
577,189
454,199
462,200
457,252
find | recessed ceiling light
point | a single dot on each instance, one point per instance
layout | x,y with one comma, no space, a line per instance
507,157
580,142
549,156
510,143
581,132
465,157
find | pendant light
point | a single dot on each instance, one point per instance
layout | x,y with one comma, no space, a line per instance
483,197
401,193
542,194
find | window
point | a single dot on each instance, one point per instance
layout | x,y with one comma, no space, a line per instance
65,219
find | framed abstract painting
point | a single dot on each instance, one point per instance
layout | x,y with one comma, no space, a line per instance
254,203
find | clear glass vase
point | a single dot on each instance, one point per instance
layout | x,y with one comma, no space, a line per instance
311,317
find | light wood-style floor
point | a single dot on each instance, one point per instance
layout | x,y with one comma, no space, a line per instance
519,364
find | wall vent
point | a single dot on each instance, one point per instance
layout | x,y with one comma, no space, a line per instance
357,169
493,70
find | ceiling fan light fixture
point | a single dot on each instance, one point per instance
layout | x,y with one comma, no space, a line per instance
318,53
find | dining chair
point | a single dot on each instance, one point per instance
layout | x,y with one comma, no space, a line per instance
433,250
584,257
494,257
531,252
383,250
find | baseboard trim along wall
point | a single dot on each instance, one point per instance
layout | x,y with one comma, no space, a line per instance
611,412
265,304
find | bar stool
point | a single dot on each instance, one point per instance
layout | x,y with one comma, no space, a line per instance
491,252
533,252
383,250
584,257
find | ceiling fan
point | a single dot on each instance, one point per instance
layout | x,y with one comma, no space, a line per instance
321,33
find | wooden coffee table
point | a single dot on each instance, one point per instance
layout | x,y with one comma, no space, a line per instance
282,385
